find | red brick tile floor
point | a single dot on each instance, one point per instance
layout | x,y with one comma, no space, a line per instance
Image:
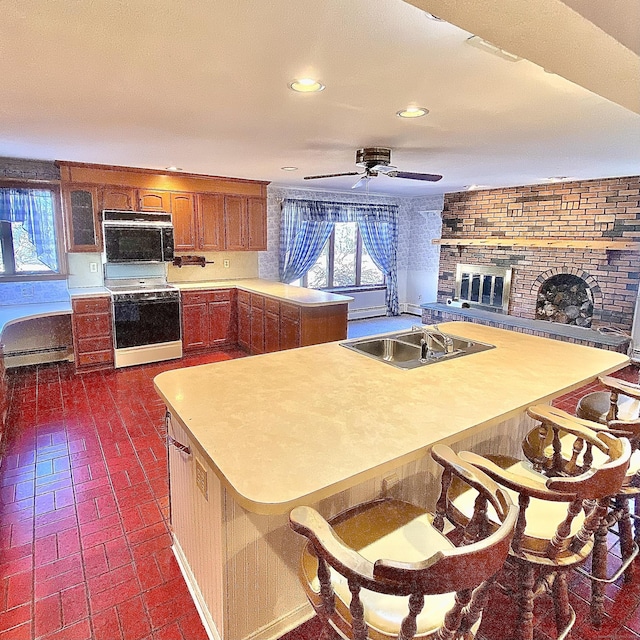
85,551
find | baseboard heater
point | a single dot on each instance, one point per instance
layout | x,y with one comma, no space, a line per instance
36,356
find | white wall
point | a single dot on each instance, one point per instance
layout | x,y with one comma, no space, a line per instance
419,222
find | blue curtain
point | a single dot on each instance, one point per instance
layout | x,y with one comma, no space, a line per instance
381,241
34,209
378,224
301,241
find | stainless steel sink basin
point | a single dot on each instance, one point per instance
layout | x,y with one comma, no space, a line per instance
404,349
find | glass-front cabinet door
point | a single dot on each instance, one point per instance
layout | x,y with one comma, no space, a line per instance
82,218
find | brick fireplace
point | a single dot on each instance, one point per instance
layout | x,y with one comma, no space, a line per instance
586,229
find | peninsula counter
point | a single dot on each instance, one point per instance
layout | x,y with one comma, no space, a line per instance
329,427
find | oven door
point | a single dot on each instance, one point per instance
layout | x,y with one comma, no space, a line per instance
146,322
133,243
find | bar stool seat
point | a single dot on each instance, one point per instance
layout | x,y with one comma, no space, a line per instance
387,569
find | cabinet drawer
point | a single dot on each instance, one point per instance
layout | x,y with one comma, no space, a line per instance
87,345
93,358
195,297
91,305
290,312
243,297
257,301
88,326
271,306
221,295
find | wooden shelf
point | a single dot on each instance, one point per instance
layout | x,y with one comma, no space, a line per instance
543,243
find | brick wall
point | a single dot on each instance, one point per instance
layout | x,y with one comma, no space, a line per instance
585,210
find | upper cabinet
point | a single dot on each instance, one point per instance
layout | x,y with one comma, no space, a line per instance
119,198
183,213
82,221
209,213
152,200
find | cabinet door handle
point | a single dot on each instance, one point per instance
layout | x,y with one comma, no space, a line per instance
179,446
172,441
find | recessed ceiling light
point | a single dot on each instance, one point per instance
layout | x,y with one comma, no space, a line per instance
289,168
475,187
173,169
306,85
558,179
412,112
489,47
432,17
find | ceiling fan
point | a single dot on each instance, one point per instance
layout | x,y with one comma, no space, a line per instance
375,160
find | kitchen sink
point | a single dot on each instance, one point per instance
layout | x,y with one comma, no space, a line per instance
404,350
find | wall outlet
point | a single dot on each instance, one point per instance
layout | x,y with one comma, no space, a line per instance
201,480
93,267
225,264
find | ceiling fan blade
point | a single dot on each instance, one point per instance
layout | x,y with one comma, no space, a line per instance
409,175
384,168
362,182
333,175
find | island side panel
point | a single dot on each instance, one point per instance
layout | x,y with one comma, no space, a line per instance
243,567
198,528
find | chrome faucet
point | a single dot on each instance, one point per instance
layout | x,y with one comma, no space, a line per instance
431,336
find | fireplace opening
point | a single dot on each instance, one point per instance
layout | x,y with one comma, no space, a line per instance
566,299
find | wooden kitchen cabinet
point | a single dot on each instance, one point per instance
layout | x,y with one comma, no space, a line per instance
210,221
153,200
244,320
235,223
119,198
209,319
289,326
257,323
183,216
266,324
92,333
257,224
245,223
271,325
82,218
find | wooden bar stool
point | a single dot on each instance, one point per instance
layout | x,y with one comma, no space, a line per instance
619,409
555,532
385,569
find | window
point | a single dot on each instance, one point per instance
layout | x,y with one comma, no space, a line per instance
28,239
344,262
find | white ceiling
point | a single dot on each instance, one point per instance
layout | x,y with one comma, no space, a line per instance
202,84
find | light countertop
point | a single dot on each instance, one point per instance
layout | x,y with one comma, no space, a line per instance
296,426
10,314
88,292
271,289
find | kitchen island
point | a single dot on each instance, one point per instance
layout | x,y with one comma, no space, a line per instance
329,427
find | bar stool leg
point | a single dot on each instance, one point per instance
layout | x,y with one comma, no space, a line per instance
625,533
599,570
526,597
561,604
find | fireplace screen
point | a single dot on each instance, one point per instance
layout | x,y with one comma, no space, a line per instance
484,287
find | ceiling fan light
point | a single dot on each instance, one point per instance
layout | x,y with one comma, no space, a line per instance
412,112
306,85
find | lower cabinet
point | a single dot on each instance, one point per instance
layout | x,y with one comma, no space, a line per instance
275,325
92,333
209,319
256,323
